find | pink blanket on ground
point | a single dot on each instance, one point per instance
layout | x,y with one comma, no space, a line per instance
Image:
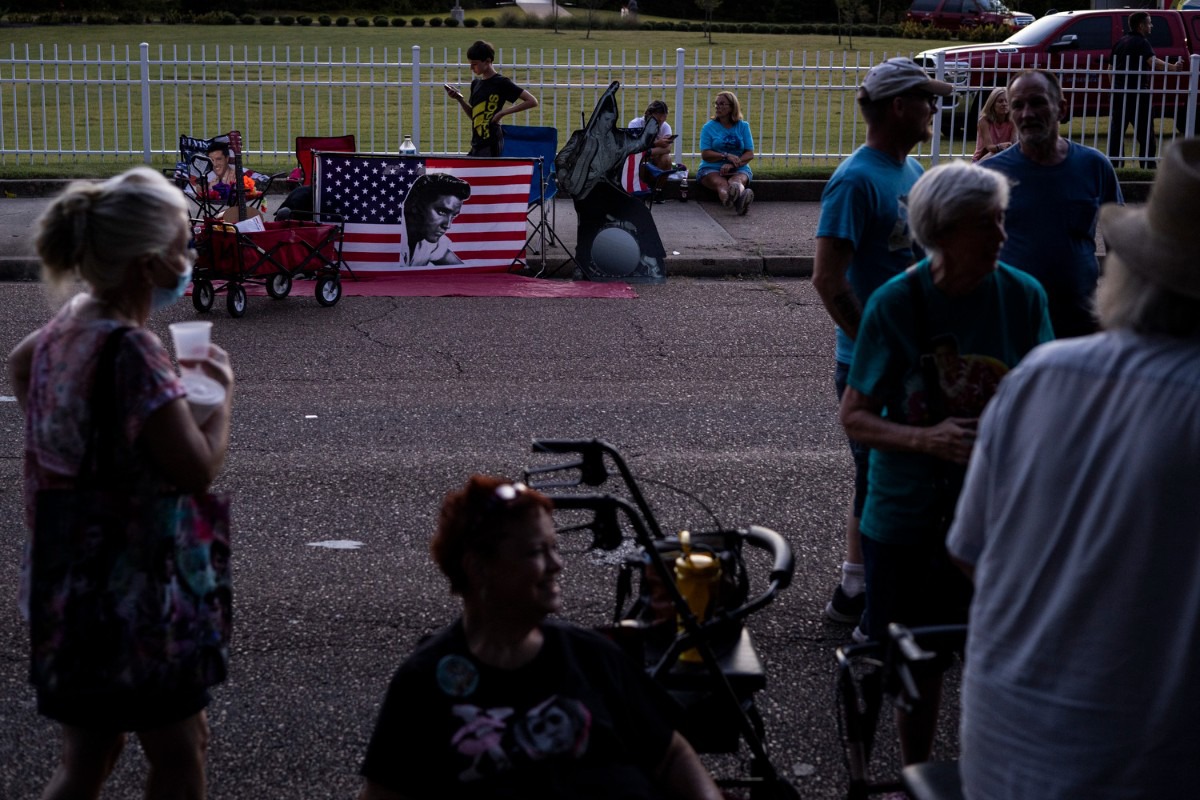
449,284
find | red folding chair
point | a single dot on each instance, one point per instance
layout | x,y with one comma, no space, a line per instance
303,174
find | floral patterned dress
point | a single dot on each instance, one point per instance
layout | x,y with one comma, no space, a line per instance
58,418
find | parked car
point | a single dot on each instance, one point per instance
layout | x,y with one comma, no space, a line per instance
1077,46
955,14
1021,19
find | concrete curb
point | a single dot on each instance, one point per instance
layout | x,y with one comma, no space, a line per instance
20,269
749,262
723,266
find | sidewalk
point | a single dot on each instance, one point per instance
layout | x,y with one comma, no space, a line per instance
702,239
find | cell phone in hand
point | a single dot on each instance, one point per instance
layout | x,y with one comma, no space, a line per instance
452,90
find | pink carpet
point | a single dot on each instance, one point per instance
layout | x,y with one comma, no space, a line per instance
489,284
448,284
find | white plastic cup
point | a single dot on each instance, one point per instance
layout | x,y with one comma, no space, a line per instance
191,339
204,395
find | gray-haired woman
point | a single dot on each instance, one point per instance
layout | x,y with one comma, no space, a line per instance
127,239
932,347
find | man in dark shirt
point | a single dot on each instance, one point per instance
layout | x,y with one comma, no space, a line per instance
489,92
1131,99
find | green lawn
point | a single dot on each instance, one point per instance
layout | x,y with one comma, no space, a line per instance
732,59
505,39
780,114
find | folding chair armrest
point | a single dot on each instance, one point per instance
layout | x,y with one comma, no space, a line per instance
262,183
177,174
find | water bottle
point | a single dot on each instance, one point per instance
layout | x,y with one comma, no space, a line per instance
407,147
696,576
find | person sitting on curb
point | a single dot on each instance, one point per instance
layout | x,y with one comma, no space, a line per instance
727,147
659,154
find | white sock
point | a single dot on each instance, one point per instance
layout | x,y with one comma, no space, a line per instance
853,579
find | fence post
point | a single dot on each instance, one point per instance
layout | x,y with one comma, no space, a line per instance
935,145
415,122
144,47
677,156
1189,124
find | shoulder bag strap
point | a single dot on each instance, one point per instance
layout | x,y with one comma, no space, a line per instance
928,366
98,456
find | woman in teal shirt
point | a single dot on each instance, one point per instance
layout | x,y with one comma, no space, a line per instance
727,148
933,345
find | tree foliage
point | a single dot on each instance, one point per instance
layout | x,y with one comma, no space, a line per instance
708,7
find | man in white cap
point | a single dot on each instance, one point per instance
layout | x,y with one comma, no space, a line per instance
1058,188
1080,523
863,239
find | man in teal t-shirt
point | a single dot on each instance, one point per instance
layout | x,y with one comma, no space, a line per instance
863,240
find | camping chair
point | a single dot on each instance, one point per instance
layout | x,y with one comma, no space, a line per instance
194,166
540,144
642,179
305,145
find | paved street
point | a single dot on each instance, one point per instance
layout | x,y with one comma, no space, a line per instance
352,422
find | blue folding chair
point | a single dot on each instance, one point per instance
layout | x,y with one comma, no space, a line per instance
540,144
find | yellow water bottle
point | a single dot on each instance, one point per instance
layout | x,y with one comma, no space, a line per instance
696,575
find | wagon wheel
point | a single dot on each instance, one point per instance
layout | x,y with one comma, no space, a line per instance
202,295
236,300
329,290
279,284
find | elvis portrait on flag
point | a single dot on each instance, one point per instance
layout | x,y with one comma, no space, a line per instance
407,213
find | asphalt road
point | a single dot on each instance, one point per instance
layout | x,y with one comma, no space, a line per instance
352,422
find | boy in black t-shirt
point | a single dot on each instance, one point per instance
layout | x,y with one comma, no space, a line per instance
489,91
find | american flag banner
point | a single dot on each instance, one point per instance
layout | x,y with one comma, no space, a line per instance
369,191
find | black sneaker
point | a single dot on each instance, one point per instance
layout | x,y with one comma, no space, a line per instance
845,610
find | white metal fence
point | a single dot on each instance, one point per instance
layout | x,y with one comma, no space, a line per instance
63,104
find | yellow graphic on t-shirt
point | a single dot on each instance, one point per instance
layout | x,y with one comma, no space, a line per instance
481,116
968,381
965,383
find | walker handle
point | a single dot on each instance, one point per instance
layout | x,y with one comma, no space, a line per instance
781,571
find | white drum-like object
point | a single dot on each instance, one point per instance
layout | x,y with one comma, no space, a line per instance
615,251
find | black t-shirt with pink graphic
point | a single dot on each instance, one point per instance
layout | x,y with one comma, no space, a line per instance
581,720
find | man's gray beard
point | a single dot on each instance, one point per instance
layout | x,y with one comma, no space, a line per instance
1036,140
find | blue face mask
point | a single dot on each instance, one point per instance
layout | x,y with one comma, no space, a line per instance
160,298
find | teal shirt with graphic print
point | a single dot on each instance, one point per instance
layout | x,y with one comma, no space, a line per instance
976,338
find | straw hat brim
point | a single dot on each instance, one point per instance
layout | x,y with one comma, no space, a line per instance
1161,240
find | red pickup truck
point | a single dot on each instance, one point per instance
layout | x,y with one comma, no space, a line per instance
1077,46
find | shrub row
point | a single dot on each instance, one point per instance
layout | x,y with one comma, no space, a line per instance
227,18
510,19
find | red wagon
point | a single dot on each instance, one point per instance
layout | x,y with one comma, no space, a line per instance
229,258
